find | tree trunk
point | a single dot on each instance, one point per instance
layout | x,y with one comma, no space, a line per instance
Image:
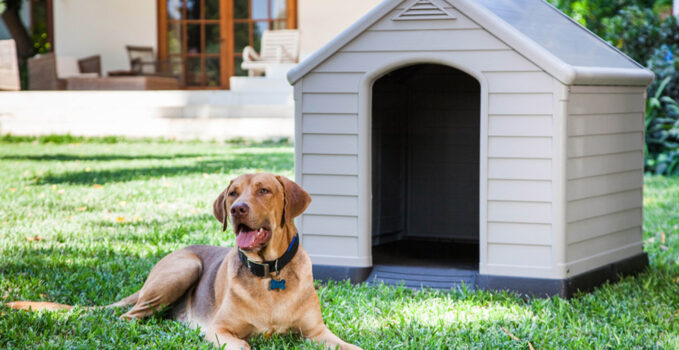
19,33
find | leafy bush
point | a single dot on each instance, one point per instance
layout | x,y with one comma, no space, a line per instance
640,32
662,132
647,32
647,37
663,64
662,114
590,13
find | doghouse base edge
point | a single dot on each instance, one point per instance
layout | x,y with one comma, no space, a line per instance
540,287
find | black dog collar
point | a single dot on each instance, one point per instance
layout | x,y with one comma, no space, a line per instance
263,269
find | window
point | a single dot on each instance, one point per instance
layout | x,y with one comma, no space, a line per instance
203,40
194,42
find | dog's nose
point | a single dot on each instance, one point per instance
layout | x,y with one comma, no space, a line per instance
240,209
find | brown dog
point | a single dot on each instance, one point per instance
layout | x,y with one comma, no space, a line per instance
217,288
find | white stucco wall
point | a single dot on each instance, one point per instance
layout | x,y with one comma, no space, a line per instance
89,27
320,21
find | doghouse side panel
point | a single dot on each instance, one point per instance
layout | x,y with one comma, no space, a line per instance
605,175
329,171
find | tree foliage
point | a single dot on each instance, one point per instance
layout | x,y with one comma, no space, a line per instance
646,31
10,5
590,13
12,20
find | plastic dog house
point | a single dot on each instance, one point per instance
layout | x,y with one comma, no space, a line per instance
500,127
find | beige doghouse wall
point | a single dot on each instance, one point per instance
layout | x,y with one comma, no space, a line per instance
561,165
605,128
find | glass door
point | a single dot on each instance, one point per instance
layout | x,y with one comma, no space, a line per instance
195,43
202,41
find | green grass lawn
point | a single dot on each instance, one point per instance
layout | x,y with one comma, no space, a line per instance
83,222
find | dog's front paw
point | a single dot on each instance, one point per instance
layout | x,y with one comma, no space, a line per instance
227,341
237,345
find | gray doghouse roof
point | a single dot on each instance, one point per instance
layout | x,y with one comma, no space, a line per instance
534,28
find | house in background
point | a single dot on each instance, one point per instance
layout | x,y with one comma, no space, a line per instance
203,39
200,41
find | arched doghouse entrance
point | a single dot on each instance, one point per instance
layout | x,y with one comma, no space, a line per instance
425,176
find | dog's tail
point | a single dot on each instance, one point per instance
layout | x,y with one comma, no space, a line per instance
46,305
37,305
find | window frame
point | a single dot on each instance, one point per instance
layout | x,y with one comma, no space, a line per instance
227,23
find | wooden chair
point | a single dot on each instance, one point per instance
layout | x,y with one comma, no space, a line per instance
278,46
9,66
91,64
143,61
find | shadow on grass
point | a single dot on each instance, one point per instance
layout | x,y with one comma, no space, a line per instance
97,270
274,161
83,275
97,157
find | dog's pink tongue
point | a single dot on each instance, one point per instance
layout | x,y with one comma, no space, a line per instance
246,239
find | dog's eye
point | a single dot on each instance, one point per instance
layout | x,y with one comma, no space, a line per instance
264,191
233,193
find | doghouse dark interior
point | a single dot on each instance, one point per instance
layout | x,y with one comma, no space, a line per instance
425,166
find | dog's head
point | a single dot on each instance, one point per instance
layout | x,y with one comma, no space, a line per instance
261,208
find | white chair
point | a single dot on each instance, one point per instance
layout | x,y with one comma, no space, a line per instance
9,66
278,47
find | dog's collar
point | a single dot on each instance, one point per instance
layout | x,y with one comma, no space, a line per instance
263,269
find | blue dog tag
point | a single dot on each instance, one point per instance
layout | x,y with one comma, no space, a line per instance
277,284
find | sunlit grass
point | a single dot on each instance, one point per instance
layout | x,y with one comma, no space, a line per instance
83,223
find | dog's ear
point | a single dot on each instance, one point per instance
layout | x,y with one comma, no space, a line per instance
296,199
219,207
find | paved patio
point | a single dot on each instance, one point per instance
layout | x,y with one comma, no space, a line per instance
254,109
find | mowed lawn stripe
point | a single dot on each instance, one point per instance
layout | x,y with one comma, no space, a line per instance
83,220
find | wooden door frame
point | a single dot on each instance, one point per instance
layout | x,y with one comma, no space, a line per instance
161,20
292,13
226,32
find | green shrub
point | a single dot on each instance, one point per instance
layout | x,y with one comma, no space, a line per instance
662,114
590,13
644,31
640,32
664,65
648,38
662,132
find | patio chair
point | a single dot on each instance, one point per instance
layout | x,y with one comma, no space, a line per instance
42,73
49,72
91,64
278,47
143,61
9,66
